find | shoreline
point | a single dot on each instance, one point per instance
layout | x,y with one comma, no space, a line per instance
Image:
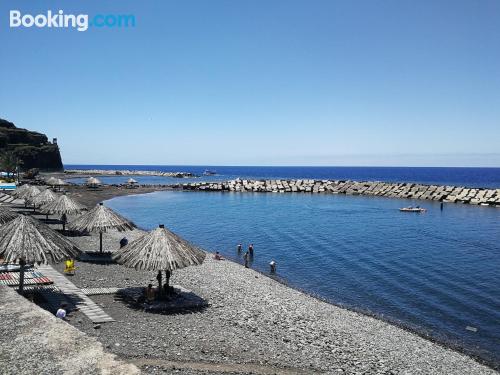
325,335
400,190
447,344
91,197
229,309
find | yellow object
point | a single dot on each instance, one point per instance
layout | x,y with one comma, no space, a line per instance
69,266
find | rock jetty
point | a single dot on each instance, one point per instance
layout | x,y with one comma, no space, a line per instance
113,172
453,194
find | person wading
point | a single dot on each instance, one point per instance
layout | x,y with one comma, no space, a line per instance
246,258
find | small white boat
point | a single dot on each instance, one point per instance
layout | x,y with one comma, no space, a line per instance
209,172
412,209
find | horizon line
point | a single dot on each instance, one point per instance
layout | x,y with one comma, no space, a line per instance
278,165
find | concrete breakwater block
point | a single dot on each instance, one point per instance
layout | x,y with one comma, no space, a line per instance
451,194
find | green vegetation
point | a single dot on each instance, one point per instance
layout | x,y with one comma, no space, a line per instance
26,149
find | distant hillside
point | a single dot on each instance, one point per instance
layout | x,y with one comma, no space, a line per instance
34,149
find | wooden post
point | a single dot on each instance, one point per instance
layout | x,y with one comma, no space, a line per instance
22,263
100,242
160,294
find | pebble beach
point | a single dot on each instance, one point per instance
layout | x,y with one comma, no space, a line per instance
252,325
255,321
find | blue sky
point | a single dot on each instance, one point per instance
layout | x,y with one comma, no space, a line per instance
254,82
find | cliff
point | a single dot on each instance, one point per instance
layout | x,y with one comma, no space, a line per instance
32,148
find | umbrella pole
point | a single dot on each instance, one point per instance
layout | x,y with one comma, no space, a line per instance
159,285
22,263
100,242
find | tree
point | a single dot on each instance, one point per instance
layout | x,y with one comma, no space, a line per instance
9,162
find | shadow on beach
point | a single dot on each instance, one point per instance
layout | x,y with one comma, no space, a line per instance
182,301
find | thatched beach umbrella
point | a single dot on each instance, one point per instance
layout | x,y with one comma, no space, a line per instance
26,240
7,216
55,182
20,190
42,198
93,182
63,205
100,219
131,183
28,193
159,250
52,181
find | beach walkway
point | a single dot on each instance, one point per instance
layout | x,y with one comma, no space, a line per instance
34,341
79,298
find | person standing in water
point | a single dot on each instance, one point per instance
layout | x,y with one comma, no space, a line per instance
272,265
250,249
239,248
246,258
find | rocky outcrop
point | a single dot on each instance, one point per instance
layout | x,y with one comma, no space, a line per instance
32,148
455,194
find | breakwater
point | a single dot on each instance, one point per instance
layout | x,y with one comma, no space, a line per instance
124,172
453,194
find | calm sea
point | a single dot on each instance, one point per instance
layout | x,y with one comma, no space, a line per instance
436,273
472,177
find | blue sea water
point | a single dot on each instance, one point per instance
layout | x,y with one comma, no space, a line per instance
436,273
471,177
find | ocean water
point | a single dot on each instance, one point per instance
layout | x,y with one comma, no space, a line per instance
471,177
437,273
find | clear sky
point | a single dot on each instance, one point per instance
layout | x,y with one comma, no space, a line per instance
261,82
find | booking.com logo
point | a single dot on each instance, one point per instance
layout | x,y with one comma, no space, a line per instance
80,22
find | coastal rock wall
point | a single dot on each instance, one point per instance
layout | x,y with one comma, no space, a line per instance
32,148
454,194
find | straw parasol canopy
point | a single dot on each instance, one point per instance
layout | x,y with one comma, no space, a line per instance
6,216
42,198
25,239
26,193
60,182
19,190
51,181
100,219
93,182
62,205
159,250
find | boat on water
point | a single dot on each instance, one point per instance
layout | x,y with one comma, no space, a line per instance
412,209
209,172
